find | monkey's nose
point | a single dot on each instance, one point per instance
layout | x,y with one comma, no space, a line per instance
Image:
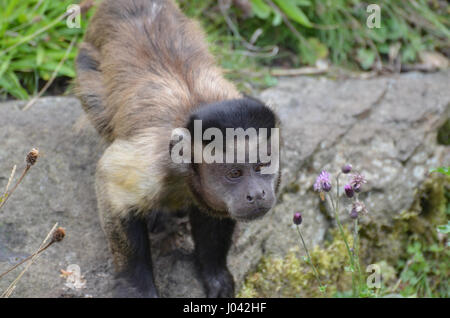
252,197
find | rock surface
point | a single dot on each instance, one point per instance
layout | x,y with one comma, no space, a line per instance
386,127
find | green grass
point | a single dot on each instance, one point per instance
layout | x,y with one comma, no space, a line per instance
29,52
33,41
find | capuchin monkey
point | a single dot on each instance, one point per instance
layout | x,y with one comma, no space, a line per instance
146,80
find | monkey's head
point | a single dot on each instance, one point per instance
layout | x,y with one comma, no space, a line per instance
233,154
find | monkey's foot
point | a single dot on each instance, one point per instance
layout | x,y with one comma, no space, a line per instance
130,287
219,284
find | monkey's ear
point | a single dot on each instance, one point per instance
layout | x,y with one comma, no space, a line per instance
271,105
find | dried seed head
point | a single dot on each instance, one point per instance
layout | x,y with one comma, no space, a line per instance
357,209
297,218
32,156
58,234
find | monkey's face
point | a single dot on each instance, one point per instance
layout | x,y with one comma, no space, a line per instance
227,141
239,190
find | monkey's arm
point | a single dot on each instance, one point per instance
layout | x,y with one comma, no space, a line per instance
122,184
129,243
89,89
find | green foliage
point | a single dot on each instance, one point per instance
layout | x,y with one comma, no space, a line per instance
292,10
33,41
444,229
443,170
228,47
340,26
443,136
426,272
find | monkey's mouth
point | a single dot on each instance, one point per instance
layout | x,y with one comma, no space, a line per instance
252,215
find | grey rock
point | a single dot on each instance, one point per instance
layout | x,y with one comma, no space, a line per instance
385,127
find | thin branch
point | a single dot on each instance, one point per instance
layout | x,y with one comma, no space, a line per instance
57,235
298,71
10,178
26,259
8,194
30,160
54,74
270,51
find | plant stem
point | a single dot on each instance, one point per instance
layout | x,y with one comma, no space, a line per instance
34,256
337,191
316,273
356,252
341,231
9,193
26,259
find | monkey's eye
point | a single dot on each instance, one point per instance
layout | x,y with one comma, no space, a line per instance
259,165
234,173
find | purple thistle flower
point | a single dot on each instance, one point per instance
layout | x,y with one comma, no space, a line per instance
357,181
298,218
346,168
349,190
323,182
353,214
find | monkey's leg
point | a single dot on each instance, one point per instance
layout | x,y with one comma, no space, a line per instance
212,238
130,245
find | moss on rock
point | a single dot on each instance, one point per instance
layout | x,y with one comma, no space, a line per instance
292,276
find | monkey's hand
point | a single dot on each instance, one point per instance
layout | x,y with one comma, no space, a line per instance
218,284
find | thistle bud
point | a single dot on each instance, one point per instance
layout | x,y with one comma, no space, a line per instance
349,190
354,214
346,168
297,218
326,186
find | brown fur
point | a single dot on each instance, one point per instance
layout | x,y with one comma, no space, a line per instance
142,69
154,77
